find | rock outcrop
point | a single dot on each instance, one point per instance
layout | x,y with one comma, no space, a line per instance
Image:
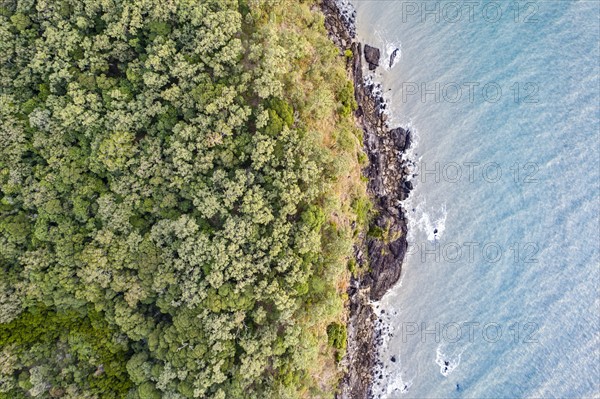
382,250
387,176
372,55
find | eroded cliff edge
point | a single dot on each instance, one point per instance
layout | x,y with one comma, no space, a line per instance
384,249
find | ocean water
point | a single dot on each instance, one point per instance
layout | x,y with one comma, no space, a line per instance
499,296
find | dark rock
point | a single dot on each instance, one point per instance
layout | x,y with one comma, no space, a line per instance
361,358
393,359
393,57
372,55
399,137
337,20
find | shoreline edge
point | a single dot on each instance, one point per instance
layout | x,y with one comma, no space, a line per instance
388,184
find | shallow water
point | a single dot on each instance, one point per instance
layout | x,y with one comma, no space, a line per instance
504,234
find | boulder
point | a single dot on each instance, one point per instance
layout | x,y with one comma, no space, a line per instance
393,57
372,55
400,138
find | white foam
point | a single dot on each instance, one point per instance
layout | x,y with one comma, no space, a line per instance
447,362
428,220
388,49
395,380
397,384
423,219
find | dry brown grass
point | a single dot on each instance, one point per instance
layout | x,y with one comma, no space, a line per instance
318,65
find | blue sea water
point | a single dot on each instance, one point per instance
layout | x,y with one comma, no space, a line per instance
499,296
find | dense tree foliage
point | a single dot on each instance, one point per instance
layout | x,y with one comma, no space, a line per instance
176,207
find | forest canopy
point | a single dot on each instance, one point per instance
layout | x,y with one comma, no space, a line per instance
176,206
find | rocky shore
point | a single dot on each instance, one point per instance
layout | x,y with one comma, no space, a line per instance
382,250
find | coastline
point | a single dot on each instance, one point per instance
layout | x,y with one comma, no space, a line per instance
387,174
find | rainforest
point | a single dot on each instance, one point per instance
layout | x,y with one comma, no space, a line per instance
180,193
